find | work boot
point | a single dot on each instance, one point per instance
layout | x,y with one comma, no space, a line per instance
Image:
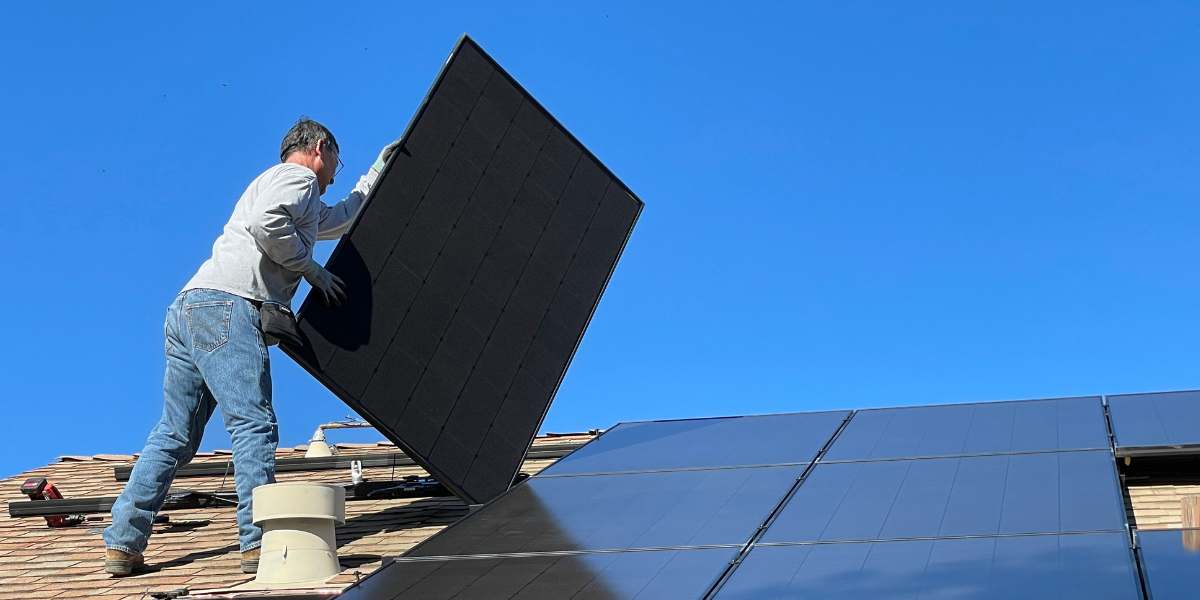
250,560
121,563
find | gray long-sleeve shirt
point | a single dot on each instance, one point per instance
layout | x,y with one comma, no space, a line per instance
268,242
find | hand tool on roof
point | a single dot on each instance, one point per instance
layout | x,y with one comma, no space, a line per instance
38,488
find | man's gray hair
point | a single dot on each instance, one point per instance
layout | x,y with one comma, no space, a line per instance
303,137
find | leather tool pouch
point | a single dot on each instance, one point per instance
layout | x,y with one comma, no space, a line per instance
278,324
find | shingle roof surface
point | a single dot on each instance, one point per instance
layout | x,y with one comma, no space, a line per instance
198,548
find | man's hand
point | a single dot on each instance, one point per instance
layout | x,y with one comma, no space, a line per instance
329,288
386,154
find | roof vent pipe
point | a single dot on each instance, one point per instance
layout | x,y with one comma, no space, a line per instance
317,446
298,544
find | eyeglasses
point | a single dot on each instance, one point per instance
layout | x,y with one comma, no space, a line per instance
338,156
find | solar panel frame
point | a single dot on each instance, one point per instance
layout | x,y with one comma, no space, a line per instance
503,447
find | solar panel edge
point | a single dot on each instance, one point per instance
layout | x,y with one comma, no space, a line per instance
1097,397
846,412
467,39
1157,393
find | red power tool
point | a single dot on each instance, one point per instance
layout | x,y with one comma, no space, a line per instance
40,489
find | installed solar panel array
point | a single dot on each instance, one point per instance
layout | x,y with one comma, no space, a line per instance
647,510
999,500
472,273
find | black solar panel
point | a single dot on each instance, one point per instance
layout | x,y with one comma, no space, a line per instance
704,443
472,273
608,512
1172,563
965,429
1095,566
658,575
946,497
1164,420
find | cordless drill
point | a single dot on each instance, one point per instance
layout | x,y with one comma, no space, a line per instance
38,488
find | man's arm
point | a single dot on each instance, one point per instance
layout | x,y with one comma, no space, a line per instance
272,223
335,220
274,229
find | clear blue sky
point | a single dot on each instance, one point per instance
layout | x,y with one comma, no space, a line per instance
847,204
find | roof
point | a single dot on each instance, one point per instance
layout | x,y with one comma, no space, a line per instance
1013,497
198,548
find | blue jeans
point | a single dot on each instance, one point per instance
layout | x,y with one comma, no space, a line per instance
215,355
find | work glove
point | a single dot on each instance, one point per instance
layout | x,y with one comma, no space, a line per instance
330,289
385,155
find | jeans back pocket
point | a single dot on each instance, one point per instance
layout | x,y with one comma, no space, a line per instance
208,323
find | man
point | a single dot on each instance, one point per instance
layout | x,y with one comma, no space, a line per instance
216,353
